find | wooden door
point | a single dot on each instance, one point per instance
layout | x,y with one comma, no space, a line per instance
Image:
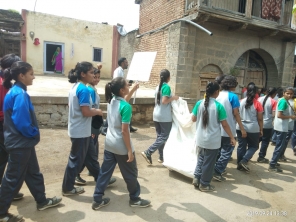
11,46
256,77
204,79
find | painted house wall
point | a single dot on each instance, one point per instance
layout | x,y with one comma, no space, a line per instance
51,28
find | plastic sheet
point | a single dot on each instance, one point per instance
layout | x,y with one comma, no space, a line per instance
180,151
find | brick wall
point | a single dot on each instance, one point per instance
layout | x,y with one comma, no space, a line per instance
155,13
154,43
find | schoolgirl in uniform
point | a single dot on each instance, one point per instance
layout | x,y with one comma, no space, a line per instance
79,128
290,130
208,115
279,95
269,107
231,103
118,147
6,62
251,113
162,116
281,127
21,135
293,137
97,122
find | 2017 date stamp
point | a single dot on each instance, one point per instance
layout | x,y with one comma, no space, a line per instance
267,213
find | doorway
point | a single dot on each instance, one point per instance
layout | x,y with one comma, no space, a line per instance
53,62
251,68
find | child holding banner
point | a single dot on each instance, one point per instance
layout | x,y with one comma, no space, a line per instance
208,115
162,116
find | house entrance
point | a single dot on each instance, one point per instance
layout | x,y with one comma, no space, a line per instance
53,57
207,74
250,67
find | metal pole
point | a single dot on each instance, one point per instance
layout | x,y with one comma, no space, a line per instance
199,26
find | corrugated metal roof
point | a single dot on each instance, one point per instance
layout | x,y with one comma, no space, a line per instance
6,15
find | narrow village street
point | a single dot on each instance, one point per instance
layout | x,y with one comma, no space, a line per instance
65,65
172,195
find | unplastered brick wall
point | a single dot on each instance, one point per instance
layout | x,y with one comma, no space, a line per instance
156,13
149,43
155,43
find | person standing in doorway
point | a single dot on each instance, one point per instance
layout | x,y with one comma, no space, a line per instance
162,116
57,60
119,72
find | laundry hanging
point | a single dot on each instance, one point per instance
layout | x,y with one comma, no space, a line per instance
271,9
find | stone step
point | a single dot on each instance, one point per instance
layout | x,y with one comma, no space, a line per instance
103,106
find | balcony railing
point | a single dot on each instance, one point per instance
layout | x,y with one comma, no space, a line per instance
280,13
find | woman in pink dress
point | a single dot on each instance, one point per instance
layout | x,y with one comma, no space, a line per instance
57,60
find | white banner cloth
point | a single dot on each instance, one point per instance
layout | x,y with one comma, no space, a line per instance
180,151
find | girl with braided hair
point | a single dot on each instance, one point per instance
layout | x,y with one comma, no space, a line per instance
208,115
231,103
251,113
269,107
118,147
162,116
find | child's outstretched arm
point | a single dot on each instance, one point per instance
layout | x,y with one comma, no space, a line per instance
228,131
131,92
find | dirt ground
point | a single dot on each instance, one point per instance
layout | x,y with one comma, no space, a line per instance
172,195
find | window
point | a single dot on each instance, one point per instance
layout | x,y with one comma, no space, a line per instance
97,55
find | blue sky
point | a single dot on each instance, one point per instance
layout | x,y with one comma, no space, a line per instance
125,12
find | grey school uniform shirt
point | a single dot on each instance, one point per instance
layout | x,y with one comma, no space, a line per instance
209,137
249,116
282,125
230,102
79,126
291,111
119,112
269,107
163,112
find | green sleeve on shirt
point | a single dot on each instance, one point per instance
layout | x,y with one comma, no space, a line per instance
282,105
166,90
195,109
221,111
125,110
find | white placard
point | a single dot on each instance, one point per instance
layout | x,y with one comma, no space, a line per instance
141,66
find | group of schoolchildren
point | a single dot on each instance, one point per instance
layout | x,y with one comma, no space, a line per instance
219,117
19,134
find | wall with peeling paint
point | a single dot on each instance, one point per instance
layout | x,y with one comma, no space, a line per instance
51,28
